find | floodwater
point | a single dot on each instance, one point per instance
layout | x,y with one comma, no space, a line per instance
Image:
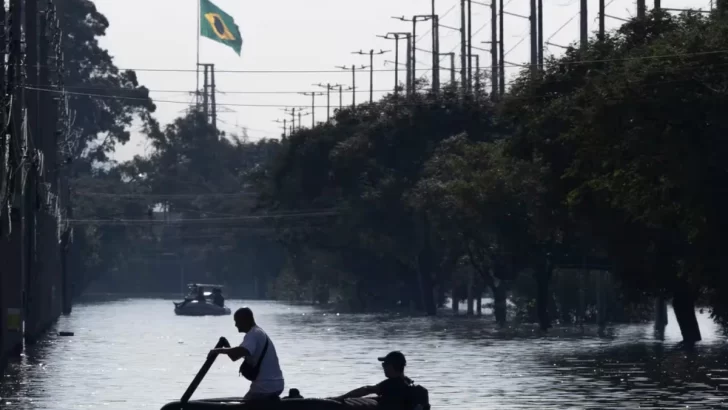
135,353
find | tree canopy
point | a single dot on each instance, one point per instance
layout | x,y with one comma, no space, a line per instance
609,159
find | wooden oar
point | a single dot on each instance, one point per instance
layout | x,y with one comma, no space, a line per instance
203,371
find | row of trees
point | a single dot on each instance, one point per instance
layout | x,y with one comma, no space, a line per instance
609,158
612,156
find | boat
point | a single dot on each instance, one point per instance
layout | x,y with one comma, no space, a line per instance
196,305
277,404
294,400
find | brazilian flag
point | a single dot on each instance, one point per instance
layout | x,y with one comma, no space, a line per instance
217,25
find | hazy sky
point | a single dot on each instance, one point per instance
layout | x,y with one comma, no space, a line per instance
305,35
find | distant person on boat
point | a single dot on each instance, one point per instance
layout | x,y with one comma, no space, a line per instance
200,295
261,364
397,391
217,298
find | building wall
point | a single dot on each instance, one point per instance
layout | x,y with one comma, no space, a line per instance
11,289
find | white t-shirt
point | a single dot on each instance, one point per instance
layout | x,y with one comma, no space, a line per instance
270,378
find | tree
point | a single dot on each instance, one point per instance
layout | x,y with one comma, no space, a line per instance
633,144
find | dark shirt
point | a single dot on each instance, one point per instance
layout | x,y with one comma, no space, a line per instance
218,300
394,393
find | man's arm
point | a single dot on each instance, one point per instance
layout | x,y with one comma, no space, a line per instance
360,392
234,353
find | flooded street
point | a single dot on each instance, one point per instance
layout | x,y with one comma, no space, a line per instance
135,353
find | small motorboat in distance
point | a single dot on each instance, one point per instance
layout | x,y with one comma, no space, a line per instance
202,300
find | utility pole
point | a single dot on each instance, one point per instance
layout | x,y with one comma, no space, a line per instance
540,35
463,63
534,38
205,102
213,103
502,44
284,126
477,72
209,104
299,118
452,65
371,69
293,118
353,86
396,38
353,82
435,49
584,31
602,17
435,53
341,101
413,52
641,8
494,49
313,107
470,43
328,88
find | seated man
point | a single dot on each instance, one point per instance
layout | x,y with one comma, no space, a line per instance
394,391
200,295
217,298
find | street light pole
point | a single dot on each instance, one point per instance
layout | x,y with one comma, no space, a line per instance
413,54
396,38
371,69
328,88
353,81
313,106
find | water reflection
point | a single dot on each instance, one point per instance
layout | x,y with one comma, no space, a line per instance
135,353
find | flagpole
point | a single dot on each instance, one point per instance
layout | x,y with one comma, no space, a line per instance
197,67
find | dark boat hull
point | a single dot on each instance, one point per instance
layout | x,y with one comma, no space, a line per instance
200,309
283,404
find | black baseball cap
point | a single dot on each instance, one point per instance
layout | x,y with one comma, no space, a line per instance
396,358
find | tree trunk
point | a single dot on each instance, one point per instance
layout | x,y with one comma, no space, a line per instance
455,301
470,295
479,302
683,304
499,304
440,292
543,278
428,297
601,303
660,312
425,272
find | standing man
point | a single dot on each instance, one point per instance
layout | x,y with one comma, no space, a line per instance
261,365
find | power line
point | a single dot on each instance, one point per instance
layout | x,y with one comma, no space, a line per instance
704,53
419,103
104,88
203,220
145,195
183,70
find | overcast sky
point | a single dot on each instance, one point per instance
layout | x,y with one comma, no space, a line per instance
305,35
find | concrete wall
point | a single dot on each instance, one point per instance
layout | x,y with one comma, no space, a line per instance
11,289
43,288
44,284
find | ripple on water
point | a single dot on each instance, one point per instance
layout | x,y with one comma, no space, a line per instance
135,353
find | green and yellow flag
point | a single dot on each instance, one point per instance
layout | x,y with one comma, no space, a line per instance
217,25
